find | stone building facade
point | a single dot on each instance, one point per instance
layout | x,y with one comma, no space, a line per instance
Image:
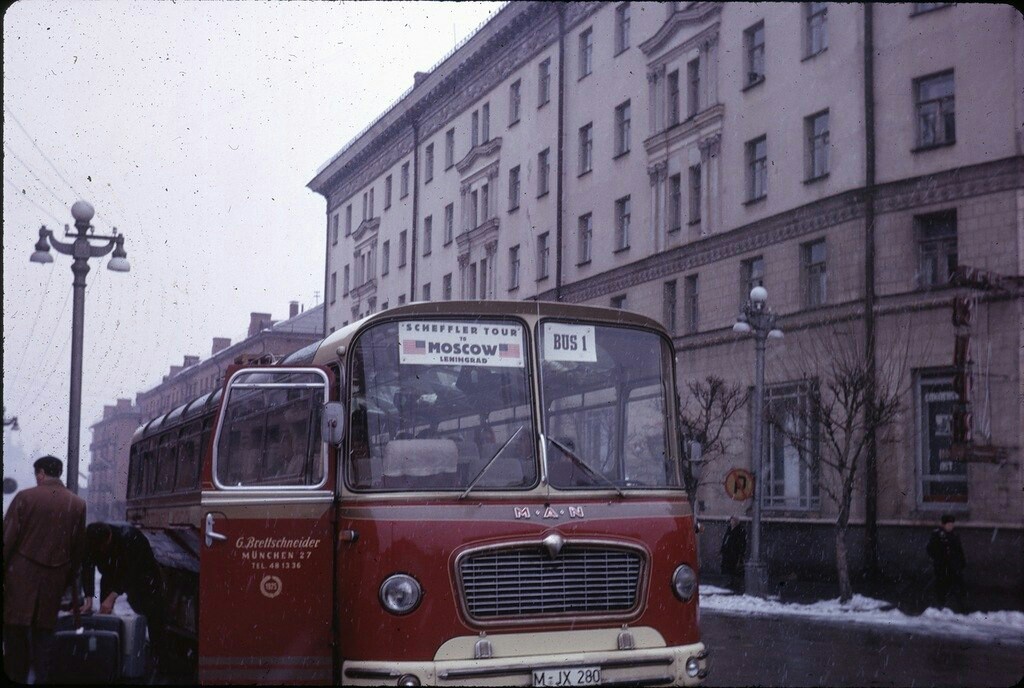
265,339
666,157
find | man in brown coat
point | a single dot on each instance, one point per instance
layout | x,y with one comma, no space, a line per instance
44,540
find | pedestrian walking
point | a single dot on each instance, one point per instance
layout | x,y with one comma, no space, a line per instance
947,555
734,547
127,566
44,540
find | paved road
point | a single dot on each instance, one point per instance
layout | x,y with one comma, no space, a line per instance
788,651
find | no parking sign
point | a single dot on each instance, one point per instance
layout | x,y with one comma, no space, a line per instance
739,484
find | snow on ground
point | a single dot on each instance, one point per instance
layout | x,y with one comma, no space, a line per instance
1005,626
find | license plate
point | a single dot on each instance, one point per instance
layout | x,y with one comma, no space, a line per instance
576,676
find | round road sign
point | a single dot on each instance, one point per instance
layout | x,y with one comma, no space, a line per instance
739,484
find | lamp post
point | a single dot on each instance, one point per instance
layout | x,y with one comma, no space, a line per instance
755,318
81,250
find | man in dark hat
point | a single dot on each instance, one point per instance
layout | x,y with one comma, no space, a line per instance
44,539
947,556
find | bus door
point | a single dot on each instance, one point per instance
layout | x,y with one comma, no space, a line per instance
266,562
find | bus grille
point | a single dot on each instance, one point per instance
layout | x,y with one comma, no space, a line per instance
525,581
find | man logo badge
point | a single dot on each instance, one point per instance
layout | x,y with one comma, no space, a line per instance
270,586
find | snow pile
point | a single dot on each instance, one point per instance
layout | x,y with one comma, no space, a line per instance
1006,626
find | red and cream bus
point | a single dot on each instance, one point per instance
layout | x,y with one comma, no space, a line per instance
438,494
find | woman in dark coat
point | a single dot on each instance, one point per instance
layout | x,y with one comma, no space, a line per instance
734,546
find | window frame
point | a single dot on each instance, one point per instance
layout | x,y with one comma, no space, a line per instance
585,238
543,253
514,188
757,169
428,163
514,264
623,126
940,114
586,53
623,218
586,149
543,172
622,27
815,16
543,82
936,247
812,270
515,101
691,303
812,141
754,55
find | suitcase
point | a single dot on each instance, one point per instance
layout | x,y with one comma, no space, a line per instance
134,646
86,656
92,622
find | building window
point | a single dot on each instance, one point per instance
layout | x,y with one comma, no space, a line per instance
543,250
426,291
385,258
402,247
387,192
485,123
692,87
334,286
668,315
618,302
943,480
586,52
513,268
428,163
815,284
790,449
428,231
751,275
621,27
586,148
936,121
691,296
401,299
449,223
543,168
936,248
622,121
446,287
673,97
335,221
365,196
405,180
815,28
622,214
348,220
695,199
514,101
675,202
544,82
485,203
586,237
513,188
449,148
753,41
474,209
346,276
475,129
816,135
757,168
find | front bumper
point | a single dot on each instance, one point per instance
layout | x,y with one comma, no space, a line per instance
662,666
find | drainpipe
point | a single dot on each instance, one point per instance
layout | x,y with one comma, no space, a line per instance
871,467
561,151
415,206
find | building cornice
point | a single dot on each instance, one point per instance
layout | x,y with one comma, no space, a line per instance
941,187
483,150
488,229
366,226
695,13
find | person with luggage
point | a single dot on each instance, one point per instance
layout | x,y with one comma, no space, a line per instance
44,538
127,566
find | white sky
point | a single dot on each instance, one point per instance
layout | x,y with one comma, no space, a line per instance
192,127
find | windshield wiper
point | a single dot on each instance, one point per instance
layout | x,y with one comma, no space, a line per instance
583,464
483,470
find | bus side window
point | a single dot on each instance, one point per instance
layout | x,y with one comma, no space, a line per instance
188,458
133,473
165,464
149,468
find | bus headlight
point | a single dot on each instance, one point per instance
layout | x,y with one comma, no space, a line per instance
684,582
692,667
400,594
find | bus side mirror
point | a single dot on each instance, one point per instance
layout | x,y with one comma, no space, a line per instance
332,423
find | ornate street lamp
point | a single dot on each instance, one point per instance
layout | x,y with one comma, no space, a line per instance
81,250
755,318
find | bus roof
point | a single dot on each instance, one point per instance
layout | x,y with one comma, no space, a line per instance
327,350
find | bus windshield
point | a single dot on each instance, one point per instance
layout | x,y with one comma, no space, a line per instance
432,403
604,391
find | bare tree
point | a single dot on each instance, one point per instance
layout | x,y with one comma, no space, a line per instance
830,431
703,416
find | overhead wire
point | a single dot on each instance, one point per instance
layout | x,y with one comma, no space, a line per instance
31,171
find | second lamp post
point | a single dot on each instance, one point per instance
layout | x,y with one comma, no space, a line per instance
756,319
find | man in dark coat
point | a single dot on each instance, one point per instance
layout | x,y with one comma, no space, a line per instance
734,546
44,537
947,556
127,566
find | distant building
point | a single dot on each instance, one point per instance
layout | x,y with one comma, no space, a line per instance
265,340
667,157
